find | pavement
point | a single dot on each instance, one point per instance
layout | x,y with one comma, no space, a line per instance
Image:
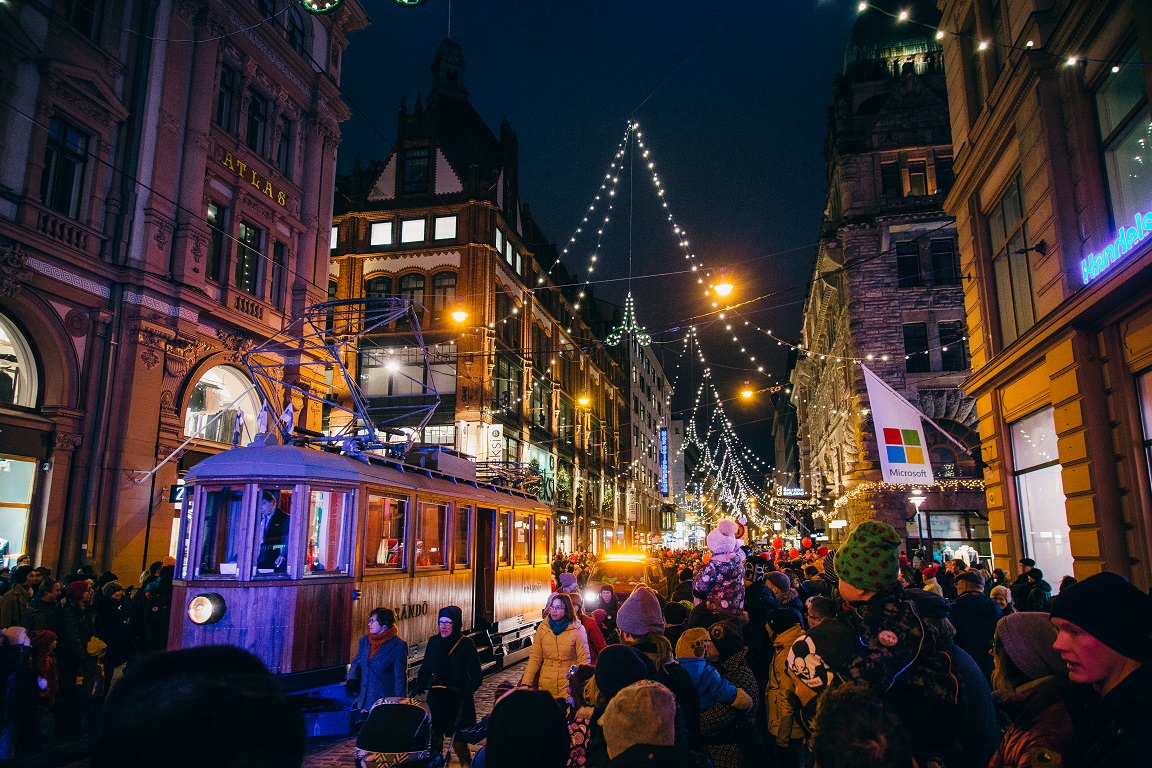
326,752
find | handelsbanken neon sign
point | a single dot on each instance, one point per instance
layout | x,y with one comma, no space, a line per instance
1126,239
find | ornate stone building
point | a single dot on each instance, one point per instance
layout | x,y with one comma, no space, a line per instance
523,384
886,292
1053,205
165,198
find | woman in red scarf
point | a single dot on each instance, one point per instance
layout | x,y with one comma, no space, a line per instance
380,668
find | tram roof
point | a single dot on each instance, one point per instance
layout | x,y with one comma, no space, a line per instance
289,462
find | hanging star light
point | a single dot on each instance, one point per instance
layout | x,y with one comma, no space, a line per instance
629,327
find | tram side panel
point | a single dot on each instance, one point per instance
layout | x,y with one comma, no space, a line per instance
416,600
260,620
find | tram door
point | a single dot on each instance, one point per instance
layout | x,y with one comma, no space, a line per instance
485,569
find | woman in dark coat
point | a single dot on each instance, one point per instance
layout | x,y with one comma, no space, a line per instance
450,673
380,667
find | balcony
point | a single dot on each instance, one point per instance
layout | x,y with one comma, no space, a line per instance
58,228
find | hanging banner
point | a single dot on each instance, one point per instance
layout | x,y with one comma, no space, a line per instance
899,434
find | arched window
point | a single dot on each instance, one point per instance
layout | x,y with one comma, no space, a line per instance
443,294
378,288
223,403
294,29
18,382
412,289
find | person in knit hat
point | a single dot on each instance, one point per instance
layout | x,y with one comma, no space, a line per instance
451,674
639,727
1104,635
1029,681
694,650
721,584
930,583
641,613
527,729
879,640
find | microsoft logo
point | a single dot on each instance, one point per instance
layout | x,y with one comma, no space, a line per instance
903,446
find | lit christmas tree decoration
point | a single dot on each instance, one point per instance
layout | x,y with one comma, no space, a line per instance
321,6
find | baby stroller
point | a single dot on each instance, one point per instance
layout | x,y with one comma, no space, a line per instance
398,731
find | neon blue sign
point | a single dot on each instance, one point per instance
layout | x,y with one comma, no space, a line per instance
1126,239
664,461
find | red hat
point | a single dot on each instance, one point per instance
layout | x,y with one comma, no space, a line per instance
76,590
929,571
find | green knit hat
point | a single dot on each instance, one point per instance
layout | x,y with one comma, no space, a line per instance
869,559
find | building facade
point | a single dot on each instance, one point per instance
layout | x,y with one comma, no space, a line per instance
1053,206
523,385
886,293
165,196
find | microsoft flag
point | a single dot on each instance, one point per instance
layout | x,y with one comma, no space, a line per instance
899,434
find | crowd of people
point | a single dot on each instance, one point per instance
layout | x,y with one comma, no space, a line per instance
65,640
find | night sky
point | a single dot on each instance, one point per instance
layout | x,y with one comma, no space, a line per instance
731,98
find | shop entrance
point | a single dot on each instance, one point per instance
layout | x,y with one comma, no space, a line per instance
950,535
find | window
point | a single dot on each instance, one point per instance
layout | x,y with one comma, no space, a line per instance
944,176
412,289
84,16
508,251
973,67
891,185
216,242
542,539
1126,138
444,228
541,405
511,452
440,434
385,542
218,407
1040,492
226,99
18,380
380,233
412,231
65,158
917,178
908,264
953,356
443,293
220,536
284,146
503,546
270,542
295,32
522,539
1012,264
378,288
334,238
506,386
327,549
944,270
279,274
1144,386
249,254
431,535
916,348
415,178
256,136
499,241
462,546
267,8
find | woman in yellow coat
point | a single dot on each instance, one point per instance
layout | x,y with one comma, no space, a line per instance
560,643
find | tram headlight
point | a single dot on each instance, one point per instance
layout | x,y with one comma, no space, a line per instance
206,609
591,596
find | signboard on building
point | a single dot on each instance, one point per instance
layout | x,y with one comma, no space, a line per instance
663,461
495,434
1127,238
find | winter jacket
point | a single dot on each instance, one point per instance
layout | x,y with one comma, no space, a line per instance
683,591
1115,731
1038,597
111,627
13,605
450,673
385,674
553,655
720,586
977,711
1040,728
41,615
727,731
782,725
709,684
975,615
596,642
933,586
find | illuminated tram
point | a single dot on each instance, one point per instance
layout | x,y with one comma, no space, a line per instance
286,548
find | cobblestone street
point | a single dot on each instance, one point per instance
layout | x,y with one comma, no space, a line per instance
339,754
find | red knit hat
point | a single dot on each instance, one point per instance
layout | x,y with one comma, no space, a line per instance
76,590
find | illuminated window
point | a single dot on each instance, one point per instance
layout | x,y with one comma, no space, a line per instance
271,555
385,541
1126,137
1040,492
431,536
220,532
462,545
503,543
222,405
65,160
217,243
444,228
542,539
1012,265
522,539
18,382
249,260
380,233
412,231
334,238
917,178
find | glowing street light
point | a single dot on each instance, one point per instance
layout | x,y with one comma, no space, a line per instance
460,314
746,391
722,286
583,400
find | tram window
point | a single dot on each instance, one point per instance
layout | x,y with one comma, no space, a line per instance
273,507
463,543
327,551
431,535
384,540
542,539
221,536
503,550
522,540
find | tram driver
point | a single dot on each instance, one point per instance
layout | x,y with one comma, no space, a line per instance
272,528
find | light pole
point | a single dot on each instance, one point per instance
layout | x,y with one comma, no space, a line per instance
916,499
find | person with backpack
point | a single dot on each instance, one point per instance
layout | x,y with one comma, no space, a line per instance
1038,596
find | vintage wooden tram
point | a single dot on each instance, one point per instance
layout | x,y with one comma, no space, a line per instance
286,549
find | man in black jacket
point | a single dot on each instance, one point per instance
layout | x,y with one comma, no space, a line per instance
975,615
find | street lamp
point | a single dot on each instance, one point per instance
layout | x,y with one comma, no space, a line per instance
916,499
746,391
722,286
583,400
460,314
